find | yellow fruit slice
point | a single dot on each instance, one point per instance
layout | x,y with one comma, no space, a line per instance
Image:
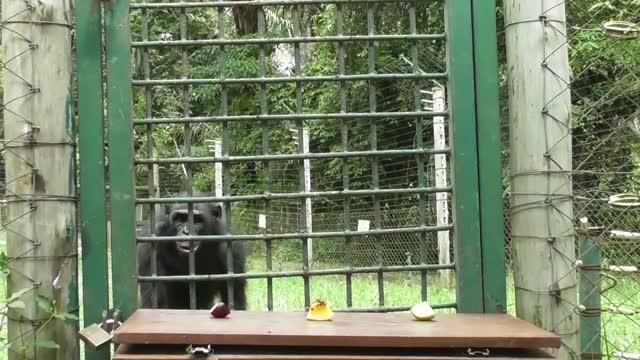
320,311
423,312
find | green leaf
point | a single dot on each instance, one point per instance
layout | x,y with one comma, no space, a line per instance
18,293
17,304
45,304
47,344
65,316
4,263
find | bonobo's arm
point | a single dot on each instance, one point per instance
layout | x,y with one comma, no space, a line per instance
144,269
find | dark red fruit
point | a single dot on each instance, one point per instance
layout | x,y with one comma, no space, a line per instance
220,310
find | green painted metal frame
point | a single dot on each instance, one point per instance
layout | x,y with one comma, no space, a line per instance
475,138
590,292
466,209
93,217
489,155
121,153
475,135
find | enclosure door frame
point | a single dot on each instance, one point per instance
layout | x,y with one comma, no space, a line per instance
475,139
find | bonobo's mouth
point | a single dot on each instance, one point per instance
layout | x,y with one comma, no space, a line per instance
184,247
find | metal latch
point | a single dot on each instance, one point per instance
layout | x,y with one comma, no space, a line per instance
199,351
100,335
476,352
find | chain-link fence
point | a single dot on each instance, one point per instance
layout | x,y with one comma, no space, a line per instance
398,249
604,51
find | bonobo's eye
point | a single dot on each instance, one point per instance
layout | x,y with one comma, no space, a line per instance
182,217
179,217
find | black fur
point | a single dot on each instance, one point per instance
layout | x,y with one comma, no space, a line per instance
210,258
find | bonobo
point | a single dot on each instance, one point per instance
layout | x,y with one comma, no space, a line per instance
173,258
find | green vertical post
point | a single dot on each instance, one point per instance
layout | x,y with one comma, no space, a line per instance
121,169
485,54
589,291
466,208
93,223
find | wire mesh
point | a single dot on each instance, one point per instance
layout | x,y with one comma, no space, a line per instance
602,37
312,126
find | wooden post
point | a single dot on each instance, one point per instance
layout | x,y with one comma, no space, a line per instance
307,188
437,103
40,171
218,167
139,215
542,206
155,168
442,199
306,164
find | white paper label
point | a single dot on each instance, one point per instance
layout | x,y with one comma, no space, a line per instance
363,225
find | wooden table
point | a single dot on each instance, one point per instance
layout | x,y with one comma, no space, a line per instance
164,334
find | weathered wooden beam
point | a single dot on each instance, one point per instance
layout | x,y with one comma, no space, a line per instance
542,206
40,168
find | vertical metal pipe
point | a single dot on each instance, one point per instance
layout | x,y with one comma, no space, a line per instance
589,290
93,224
344,131
121,155
417,104
373,146
300,128
148,99
264,110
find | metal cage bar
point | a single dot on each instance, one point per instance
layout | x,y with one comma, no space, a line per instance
373,142
489,155
264,110
422,181
288,40
344,135
298,195
187,148
93,227
226,145
148,98
121,187
286,236
473,212
469,294
285,117
299,273
290,79
300,135
227,159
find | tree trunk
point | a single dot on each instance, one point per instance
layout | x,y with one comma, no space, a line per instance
40,170
542,207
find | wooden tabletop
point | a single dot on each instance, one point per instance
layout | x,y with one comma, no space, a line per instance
391,330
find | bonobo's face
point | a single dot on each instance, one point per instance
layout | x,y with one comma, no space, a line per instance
206,221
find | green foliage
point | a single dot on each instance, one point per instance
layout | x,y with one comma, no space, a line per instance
45,304
250,61
604,69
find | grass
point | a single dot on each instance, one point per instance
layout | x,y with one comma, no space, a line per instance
400,289
620,333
